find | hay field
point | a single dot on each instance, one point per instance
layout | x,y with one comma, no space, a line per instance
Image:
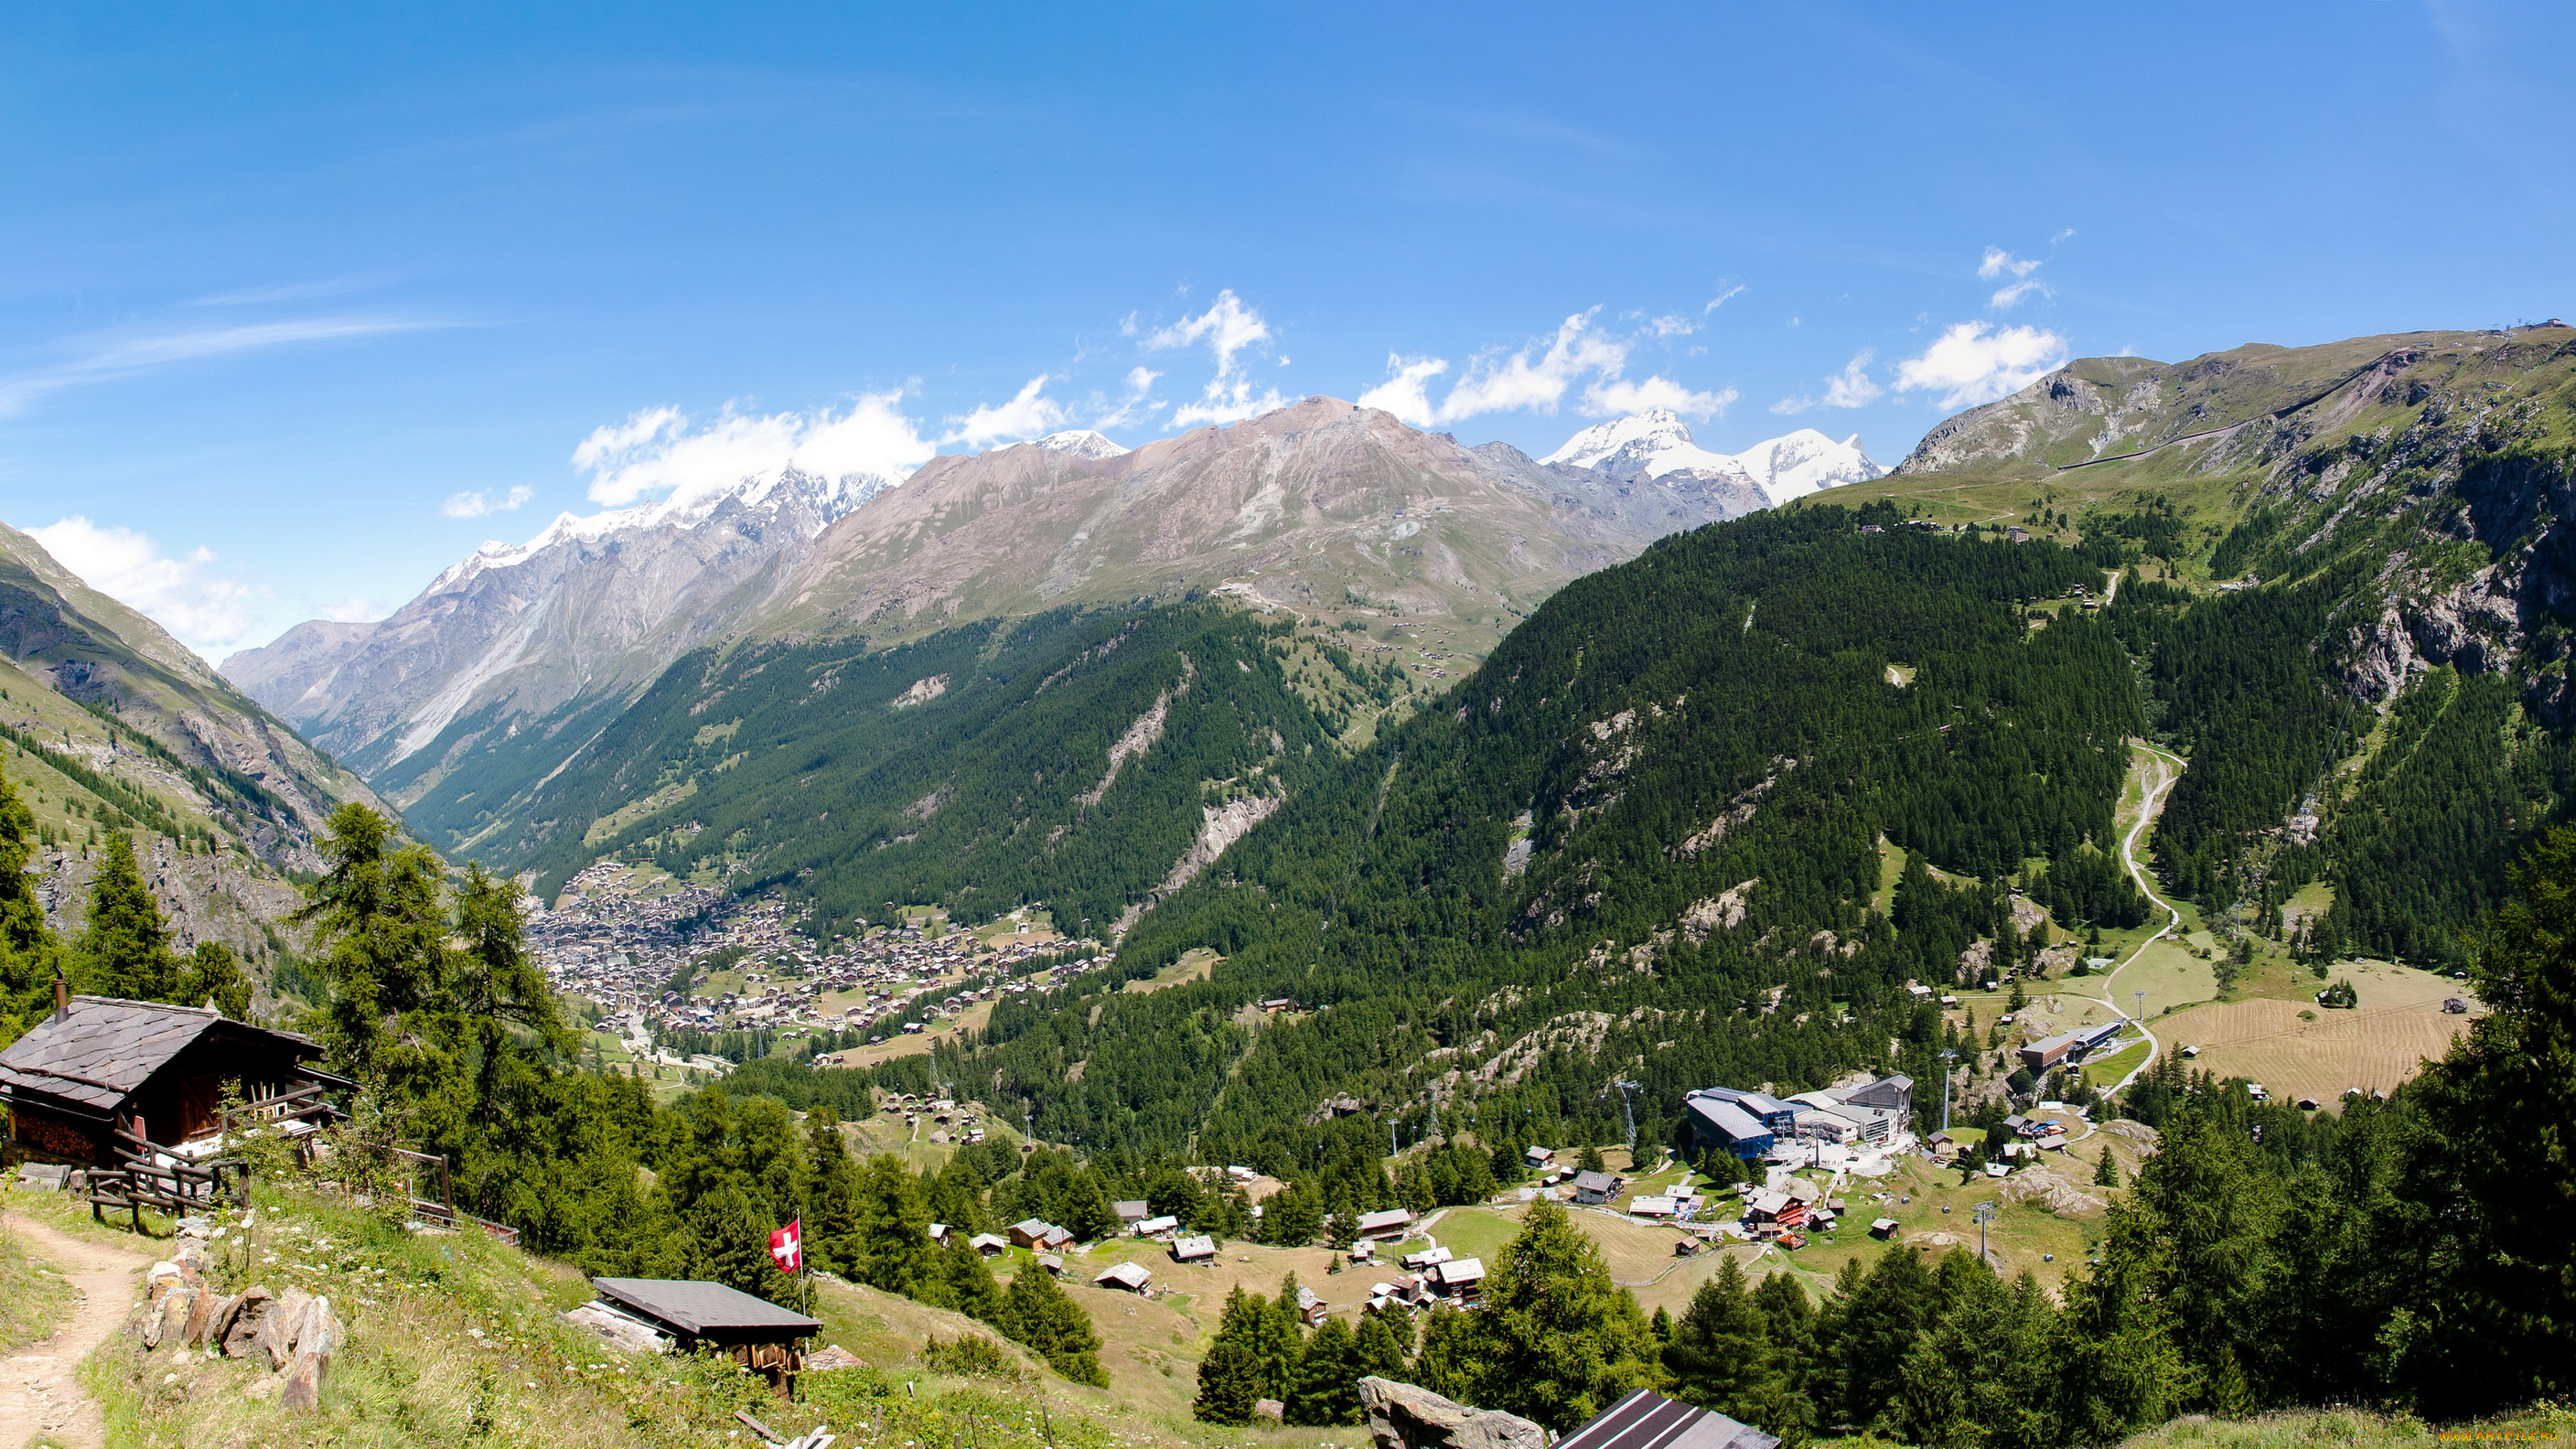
2374,1047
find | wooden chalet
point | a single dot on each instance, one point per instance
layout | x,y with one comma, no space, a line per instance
753,1332
132,1091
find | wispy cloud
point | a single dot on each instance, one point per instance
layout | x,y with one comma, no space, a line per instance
1136,404
1027,415
284,292
1537,377
2000,263
184,595
2006,297
1721,299
477,503
658,453
1229,329
1997,262
105,358
1850,388
1977,362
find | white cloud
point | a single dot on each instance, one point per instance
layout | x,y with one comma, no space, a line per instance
1619,397
2011,293
106,358
1721,299
1997,262
1536,378
1135,406
2061,236
658,453
1228,327
1028,414
183,595
1671,325
1977,362
475,503
1406,394
1850,388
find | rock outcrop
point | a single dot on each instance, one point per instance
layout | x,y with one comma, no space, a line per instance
1403,1416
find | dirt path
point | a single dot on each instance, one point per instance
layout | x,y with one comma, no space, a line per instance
38,1392
2164,769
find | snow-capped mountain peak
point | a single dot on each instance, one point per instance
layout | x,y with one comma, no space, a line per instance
1655,444
1080,443
1650,443
1794,465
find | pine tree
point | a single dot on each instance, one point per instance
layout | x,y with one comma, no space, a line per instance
729,1244
124,950
1590,1160
212,973
1384,1349
1326,1389
964,1282
2489,1222
1720,1351
890,1234
1556,1341
2107,1172
1229,1384
1036,1313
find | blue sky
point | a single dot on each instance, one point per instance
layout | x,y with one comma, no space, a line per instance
300,304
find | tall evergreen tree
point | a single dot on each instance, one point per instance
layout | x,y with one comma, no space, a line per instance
124,949
1720,1351
1556,1341
1036,1313
2494,1179
1229,1384
1327,1385
29,954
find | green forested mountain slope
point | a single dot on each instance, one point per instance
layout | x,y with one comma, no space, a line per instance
1076,758
2364,648
1709,741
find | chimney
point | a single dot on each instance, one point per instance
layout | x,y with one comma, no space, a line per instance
62,995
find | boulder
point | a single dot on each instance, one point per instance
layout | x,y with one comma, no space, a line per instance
201,1318
1269,1411
304,1381
234,1332
1402,1416
278,1327
169,1321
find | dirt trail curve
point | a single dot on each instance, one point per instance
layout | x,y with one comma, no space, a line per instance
39,1393
2164,769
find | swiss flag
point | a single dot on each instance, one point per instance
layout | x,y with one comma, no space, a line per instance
787,1247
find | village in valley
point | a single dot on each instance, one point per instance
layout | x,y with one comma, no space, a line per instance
691,979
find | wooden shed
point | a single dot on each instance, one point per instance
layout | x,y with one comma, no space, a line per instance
753,1332
103,1083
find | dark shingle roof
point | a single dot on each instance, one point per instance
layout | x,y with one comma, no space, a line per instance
97,1053
1648,1420
700,1308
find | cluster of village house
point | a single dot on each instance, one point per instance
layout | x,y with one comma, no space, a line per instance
956,1121
620,946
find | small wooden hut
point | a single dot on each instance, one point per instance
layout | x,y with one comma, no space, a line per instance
109,1085
753,1332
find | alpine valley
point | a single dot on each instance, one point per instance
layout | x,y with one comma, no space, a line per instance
2062,942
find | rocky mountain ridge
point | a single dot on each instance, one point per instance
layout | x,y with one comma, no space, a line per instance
1321,508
